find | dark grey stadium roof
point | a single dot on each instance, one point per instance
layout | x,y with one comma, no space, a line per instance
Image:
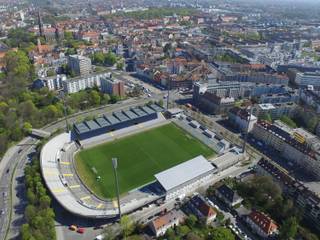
92,125
139,112
156,107
112,119
147,109
102,122
121,116
81,128
130,114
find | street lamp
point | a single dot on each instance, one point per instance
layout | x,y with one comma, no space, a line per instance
63,96
115,166
247,129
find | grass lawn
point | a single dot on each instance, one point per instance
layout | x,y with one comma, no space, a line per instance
140,156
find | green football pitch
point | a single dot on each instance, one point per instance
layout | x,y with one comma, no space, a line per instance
140,156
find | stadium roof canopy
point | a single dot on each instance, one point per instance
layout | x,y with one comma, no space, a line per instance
92,125
156,107
121,116
82,128
147,110
184,172
102,122
113,120
139,112
130,114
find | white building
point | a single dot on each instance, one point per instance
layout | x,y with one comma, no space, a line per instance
308,78
186,177
54,83
80,65
275,110
74,85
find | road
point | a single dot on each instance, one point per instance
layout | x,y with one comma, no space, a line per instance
11,161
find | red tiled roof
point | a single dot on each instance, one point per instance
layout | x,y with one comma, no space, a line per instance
265,223
206,210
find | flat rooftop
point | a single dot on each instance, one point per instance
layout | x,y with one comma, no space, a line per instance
184,172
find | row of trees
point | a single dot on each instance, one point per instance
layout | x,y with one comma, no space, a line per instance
155,13
109,59
39,215
229,58
22,109
264,194
193,229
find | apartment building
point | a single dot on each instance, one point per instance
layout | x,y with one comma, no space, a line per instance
290,146
302,196
276,110
304,79
77,84
112,87
80,65
239,118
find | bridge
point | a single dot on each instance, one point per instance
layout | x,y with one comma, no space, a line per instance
40,133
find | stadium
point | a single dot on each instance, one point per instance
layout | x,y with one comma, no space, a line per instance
157,160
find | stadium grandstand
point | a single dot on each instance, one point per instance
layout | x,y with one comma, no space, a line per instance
115,121
186,177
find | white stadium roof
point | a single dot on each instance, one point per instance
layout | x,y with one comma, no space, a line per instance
184,172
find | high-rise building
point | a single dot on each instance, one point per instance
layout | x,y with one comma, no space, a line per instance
80,65
112,86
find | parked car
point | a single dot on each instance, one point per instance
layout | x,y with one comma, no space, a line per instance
73,227
80,230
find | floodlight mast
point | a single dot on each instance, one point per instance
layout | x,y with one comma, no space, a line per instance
115,166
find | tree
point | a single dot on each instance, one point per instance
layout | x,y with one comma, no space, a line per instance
25,232
27,127
221,233
110,58
266,117
127,225
18,71
94,98
312,123
51,72
98,58
120,65
27,110
193,236
182,230
289,229
191,220
288,121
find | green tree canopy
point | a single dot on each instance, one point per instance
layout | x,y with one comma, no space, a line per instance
289,229
221,233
